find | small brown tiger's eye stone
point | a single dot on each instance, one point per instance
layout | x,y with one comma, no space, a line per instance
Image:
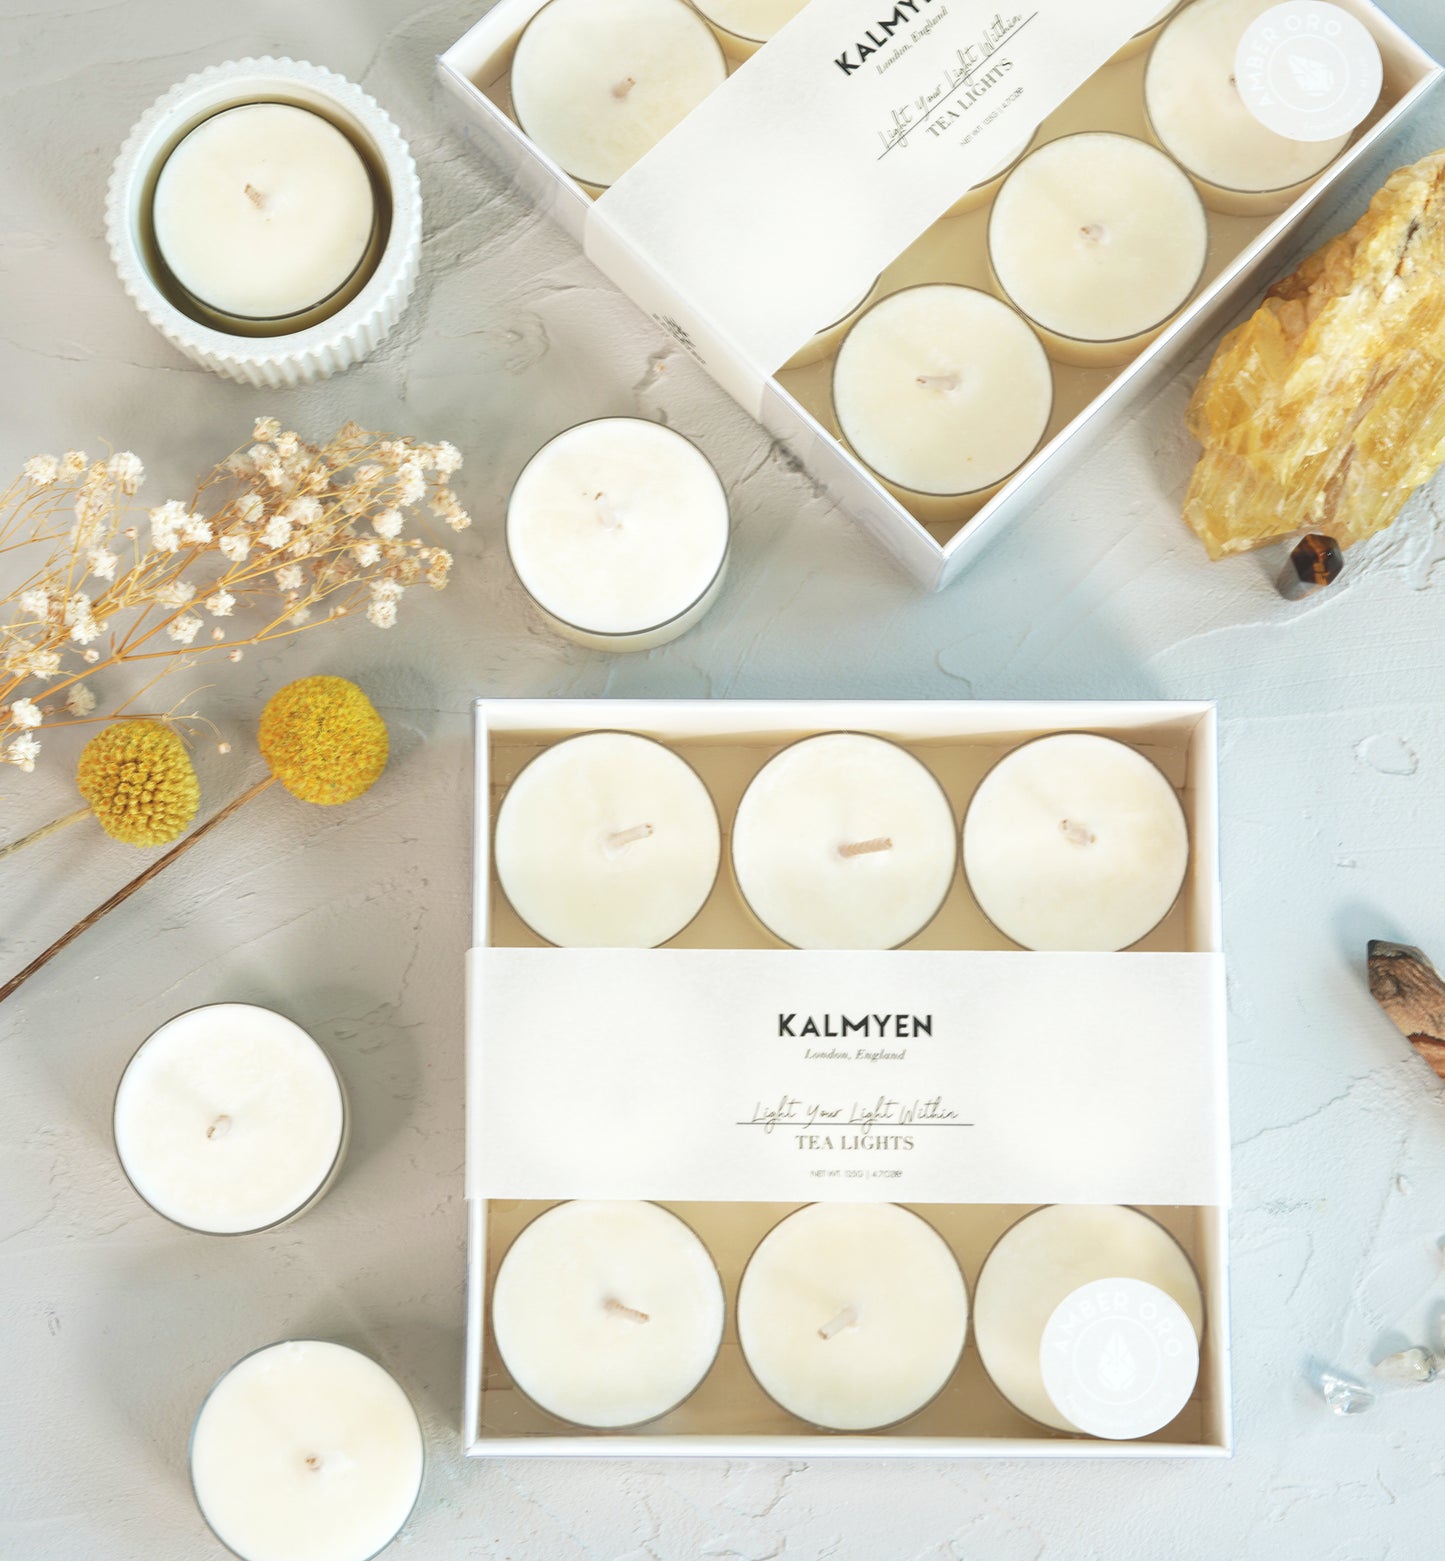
1313,564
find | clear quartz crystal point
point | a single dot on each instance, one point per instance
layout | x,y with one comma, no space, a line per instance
1343,1396
1414,1365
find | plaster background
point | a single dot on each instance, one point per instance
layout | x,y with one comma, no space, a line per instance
113,1324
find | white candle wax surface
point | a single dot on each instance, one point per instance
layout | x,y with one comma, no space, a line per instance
1099,239
753,21
607,840
1075,842
607,1314
844,841
942,390
618,530
598,83
306,1451
229,1119
852,1316
264,211
1198,116
1042,1260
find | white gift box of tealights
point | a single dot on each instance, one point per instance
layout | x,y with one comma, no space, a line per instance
927,245
846,1078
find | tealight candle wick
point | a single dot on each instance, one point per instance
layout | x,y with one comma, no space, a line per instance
848,1318
605,512
944,382
1076,834
866,847
1095,232
219,1128
627,837
256,198
313,1463
631,1313
622,88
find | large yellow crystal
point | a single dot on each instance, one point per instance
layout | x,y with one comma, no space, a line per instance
1326,411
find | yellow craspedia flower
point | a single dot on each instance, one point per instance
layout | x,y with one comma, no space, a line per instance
323,740
139,782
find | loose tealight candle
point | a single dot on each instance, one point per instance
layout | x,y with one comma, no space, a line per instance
618,531
264,212
598,83
1100,240
1050,1255
230,1119
306,1451
944,393
1075,842
844,841
744,26
607,840
607,1314
852,1316
1198,116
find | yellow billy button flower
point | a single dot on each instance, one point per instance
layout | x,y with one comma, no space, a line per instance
140,783
324,740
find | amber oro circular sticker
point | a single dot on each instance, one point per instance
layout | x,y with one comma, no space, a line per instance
1309,71
1119,1358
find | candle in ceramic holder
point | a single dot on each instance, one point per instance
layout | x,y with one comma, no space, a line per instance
266,212
1075,842
607,840
306,1451
852,1316
596,84
1147,34
844,841
618,531
230,1119
1094,1305
1099,240
744,26
943,392
1196,113
607,1314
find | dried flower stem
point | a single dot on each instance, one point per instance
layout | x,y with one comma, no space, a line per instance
53,827
138,882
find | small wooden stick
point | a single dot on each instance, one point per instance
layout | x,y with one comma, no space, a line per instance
1408,987
139,882
629,1312
45,829
866,847
627,837
848,1318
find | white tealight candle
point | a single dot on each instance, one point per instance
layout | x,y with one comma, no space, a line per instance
618,531
1100,240
598,83
827,341
264,212
306,1451
944,393
230,1119
1038,1263
1198,116
1146,34
844,842
1075,842
983,192
852,1316
607,841
744,26
607,1314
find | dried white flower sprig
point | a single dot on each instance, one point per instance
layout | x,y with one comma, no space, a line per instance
282,536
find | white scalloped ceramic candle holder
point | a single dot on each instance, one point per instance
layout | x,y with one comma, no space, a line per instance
273,353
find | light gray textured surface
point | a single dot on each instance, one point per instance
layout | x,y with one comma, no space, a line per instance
113,1324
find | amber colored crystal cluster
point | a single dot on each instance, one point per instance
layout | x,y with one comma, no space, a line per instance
1326,410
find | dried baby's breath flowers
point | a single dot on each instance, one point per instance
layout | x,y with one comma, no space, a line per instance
282,536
